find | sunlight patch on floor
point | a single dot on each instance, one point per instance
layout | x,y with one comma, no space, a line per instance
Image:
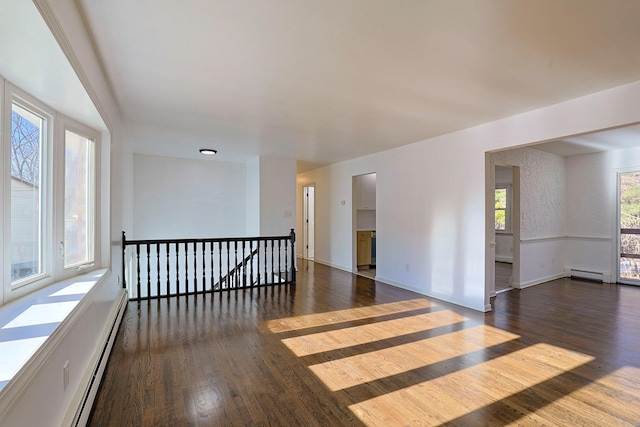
356,370
615,392
454,395
357,335
348,315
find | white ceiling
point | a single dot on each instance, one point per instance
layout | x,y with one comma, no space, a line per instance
324,81
614,139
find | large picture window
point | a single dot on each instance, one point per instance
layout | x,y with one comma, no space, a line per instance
49,195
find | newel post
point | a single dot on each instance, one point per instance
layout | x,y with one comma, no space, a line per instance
292,237
124,246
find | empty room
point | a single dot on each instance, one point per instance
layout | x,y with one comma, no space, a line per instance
319,213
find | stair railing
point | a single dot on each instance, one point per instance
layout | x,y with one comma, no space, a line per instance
170,267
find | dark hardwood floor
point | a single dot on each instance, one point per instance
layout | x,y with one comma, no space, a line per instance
503,275
342,350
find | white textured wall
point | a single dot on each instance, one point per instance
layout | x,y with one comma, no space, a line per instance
182,198
542,191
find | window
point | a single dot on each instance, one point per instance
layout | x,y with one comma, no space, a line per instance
503,208
28,209
48,195
78,199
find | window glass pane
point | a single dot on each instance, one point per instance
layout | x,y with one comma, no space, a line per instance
501,208
78,199
27,138
501,198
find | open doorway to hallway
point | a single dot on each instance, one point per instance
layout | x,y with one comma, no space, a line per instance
309,219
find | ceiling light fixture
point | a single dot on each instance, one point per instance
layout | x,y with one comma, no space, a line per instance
208,151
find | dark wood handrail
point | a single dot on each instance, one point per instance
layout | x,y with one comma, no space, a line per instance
187,266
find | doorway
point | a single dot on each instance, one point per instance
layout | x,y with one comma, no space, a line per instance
629,228
503,214
503,228
364,203
309,219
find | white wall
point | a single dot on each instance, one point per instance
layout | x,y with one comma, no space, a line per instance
435,243
253,197
592,209
183,198
277,196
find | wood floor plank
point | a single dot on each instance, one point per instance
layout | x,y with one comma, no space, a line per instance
343,350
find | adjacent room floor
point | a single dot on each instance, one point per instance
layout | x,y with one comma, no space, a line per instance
504,271
338,349
370,272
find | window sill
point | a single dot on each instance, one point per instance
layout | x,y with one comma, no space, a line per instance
32,326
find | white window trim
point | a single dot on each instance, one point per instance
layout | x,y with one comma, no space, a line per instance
508,210
63,124
13,94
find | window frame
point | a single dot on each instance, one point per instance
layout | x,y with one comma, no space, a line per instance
14,95
52,204
508,208
63,125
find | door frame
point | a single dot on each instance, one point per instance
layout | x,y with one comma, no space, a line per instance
490,232
354,218
619,279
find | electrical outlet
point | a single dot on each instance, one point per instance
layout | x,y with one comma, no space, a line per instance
65,375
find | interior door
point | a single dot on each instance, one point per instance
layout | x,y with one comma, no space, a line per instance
629,228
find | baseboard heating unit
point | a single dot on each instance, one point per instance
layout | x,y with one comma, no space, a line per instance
588,275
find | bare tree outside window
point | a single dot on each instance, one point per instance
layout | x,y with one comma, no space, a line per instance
25,150
26,143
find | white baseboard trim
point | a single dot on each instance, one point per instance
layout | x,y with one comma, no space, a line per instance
327,263
507,259
400,285
538,281
83,400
